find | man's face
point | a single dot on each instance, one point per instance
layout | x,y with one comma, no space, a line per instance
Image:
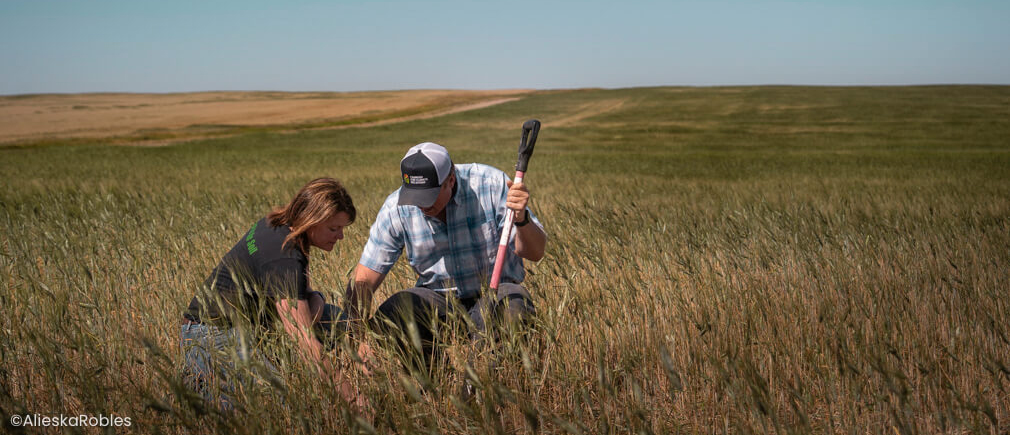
444,195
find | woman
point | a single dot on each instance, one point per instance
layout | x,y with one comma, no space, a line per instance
261,283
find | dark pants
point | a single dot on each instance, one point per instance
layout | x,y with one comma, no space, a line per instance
432,315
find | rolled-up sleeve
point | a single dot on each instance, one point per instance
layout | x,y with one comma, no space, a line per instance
385,242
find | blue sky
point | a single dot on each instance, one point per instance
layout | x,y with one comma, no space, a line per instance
182,45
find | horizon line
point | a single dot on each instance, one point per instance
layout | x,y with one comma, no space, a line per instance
581,88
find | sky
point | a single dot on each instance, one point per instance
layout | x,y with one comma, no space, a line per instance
69,46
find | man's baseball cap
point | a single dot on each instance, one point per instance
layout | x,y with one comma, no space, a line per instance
423,170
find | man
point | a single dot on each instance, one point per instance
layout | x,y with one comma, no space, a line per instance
449,220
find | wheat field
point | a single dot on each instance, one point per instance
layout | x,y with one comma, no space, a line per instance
720,260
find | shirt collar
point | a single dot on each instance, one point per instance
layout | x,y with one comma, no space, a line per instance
456,197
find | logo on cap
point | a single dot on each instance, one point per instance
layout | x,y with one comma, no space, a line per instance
416,179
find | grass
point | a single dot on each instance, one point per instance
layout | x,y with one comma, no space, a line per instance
762,259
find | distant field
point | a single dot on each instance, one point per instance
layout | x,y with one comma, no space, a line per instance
721,260
147,118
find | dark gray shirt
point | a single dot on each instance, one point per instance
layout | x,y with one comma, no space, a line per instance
252,276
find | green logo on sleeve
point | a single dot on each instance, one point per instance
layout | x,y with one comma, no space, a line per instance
250,242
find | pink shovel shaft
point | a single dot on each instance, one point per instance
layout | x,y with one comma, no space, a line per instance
503,244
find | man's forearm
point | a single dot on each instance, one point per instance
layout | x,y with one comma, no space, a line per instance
531,240
360,291
358,300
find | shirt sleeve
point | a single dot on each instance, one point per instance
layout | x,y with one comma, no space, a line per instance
285,278
385,242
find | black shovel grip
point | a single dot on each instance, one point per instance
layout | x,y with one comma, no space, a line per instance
530,130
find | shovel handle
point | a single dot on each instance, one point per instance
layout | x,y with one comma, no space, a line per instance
530,130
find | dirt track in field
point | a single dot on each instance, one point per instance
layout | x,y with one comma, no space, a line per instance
154,119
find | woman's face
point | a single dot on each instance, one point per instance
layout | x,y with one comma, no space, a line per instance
326,233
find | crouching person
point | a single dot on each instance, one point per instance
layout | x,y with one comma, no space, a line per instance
448,219
262,285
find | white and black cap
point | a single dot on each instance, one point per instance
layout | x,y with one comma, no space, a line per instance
423,170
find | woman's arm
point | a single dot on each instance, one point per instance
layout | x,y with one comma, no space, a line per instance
297,319
296,315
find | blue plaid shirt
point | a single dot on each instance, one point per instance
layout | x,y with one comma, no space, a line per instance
458,255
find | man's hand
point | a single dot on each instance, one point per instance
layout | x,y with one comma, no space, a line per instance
530,239
518,198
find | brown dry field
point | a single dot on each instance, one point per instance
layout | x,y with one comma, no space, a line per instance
132,118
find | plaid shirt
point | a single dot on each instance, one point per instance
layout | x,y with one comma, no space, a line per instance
455,256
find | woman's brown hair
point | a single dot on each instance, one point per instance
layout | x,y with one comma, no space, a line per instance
317,201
